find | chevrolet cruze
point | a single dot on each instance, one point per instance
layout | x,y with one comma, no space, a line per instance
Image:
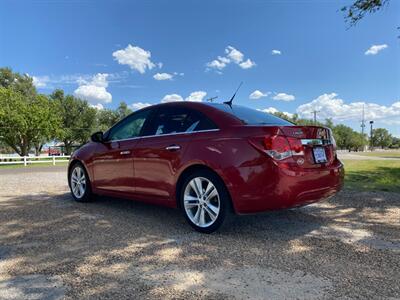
209,160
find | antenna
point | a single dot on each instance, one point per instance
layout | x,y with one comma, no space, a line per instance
363,121
233,97
211,99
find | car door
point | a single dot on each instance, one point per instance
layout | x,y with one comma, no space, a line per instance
158,156
113,161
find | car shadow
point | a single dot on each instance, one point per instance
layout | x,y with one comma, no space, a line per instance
105,247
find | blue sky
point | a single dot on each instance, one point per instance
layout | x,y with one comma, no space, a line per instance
109,51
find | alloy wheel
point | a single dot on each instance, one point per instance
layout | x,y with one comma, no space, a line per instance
78,182
201,202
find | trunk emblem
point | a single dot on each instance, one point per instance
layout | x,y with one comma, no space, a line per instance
298,132
300,161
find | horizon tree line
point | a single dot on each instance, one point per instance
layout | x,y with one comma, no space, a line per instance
29,120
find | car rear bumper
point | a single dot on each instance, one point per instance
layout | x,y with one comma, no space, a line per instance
280,188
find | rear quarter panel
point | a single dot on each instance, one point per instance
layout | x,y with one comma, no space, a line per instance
230,155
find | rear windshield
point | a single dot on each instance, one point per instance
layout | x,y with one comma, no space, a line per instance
251,116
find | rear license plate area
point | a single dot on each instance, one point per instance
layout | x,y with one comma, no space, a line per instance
319,155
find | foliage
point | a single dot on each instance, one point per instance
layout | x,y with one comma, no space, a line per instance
381,138
26,121
17,82
77,119
360,8
107,117
395,143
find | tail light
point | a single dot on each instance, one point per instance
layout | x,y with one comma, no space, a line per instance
280,147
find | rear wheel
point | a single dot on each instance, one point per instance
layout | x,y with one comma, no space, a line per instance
204,201
79,183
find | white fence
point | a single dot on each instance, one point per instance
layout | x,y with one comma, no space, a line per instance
25,160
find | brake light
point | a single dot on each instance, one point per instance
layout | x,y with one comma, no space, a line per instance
280,147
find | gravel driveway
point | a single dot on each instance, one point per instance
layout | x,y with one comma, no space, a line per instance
53,248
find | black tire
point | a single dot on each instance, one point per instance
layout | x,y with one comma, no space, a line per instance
225,208
87,196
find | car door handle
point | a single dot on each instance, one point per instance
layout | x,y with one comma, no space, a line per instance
125,152
173,148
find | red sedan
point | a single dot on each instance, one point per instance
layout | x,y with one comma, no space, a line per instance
209,160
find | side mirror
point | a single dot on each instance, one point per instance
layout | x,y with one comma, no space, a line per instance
97,137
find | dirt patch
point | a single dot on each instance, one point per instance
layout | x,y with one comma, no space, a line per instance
346,247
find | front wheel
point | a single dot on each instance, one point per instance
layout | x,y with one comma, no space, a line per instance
204,201
79,183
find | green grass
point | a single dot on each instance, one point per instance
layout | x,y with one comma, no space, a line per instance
391,154
17,166
373,175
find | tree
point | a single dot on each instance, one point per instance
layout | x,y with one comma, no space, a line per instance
26,121
360,8
395,142
108,117
20,83
78,119
358,141
381,137
123,110
343,136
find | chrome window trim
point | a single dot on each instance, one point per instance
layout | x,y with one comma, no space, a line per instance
161,135
316,142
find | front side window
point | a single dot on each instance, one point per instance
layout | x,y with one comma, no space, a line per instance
170,120
130,127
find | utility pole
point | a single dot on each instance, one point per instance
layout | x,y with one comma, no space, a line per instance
315,115
370,139
212,99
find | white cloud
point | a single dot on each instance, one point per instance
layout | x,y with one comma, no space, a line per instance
258,94
139,105
283,97
276,52
196,96
330,106
375,49
40,81
95,90
171,98
223,59
233,55
136,58
97,106
163,76
247,64
272,110
216,64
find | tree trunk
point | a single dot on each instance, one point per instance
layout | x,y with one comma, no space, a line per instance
38,149
24,150
68,148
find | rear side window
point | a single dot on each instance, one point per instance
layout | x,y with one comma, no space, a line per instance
170,120
251,116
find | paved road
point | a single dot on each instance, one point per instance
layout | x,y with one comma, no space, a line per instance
52,247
